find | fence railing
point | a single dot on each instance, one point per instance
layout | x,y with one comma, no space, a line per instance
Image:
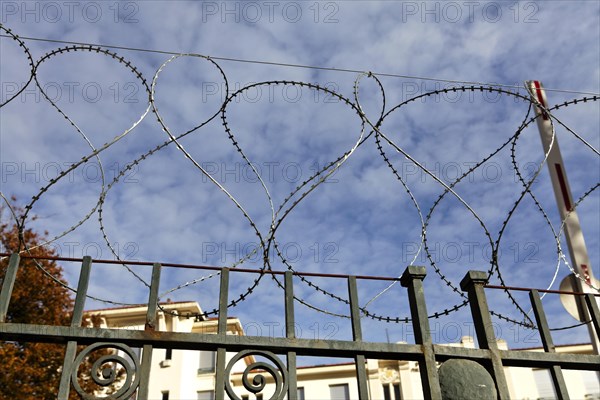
424,351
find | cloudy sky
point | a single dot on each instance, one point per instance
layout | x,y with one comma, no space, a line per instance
210,198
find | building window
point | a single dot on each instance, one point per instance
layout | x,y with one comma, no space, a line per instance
339,392
245,397
397,391
206,395
387,391
300,393
543,382
165,395
207,362
167,361
591,384
259,397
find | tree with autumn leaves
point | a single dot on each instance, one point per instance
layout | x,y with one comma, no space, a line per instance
33,370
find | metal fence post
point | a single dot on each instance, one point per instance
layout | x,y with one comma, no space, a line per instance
8,284
82,287
590,300
361,372
412,278
473,283
151,325
222,331
290,333
555,371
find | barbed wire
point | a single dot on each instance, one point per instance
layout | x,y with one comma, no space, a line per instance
369,130
303,66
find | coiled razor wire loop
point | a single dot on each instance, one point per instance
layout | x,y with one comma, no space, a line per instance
104,371
303,190
447,188
149,153
592,189
212,180
29,60
94,154
528,191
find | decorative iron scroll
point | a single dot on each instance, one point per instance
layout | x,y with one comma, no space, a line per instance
104,371
258,382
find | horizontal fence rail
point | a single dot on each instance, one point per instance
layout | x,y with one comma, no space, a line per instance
427,354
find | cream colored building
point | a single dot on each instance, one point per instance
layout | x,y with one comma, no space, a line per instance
190,375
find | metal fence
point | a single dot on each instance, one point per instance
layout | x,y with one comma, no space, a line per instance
427,354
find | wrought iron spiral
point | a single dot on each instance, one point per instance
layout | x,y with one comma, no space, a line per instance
104,371
259,381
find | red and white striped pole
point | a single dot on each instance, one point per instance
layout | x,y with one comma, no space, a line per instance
580,261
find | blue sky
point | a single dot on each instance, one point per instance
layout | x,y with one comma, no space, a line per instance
361,220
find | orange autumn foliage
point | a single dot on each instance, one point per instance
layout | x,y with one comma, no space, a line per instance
33,370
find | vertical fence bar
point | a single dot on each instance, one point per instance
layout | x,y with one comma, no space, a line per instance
592,305
8,284
290,333
412,278
361,372
223,299
594,313
542,323
151,321
222,330
473,284
151,325
67,369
